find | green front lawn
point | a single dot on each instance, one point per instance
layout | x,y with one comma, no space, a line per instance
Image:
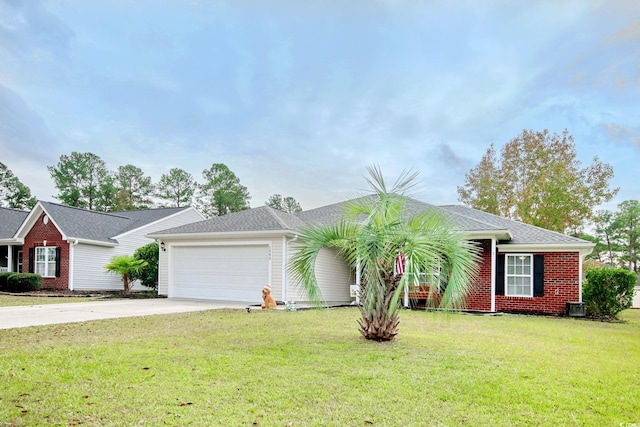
13,300
277,368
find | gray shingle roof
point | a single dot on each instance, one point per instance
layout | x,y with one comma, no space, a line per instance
263,218
10,221
101,226
464,218
468,219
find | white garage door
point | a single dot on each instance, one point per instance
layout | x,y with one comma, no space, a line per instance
228,273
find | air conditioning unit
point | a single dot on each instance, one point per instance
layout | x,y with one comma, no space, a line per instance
575,309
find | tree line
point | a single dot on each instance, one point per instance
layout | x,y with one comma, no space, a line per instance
84,181
536,178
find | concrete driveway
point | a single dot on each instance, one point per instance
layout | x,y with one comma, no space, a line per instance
48,314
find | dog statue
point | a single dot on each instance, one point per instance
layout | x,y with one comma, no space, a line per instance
269,302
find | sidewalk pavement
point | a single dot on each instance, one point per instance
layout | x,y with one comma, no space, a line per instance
48,314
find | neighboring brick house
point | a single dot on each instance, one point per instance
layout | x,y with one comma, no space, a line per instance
69,247
10,247
523,268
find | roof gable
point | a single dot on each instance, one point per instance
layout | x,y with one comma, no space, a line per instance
104,227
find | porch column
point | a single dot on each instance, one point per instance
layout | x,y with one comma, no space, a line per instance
10,258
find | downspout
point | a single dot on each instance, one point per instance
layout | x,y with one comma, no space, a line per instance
583,255
71,263
493,274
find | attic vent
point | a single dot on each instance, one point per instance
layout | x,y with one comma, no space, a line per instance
45,219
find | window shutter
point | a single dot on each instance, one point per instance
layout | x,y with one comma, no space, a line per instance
500,274
31,256
538,275
58,256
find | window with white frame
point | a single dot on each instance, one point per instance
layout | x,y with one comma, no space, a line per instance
45,261
519,275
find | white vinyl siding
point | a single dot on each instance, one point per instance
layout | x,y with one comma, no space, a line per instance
334,278
519,275
89,260
89,273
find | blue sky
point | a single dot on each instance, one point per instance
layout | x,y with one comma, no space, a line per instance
299,97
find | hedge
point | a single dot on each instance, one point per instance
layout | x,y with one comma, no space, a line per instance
3,281
608,291
23,282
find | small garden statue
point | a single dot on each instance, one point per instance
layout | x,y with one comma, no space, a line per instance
269,302
291,306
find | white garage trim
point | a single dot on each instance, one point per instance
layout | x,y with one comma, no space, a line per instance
258,278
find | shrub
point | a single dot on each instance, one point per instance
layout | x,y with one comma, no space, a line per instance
3,281
608,291
148,275
24,282
125,266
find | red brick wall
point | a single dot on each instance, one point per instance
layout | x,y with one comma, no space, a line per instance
561,285
36,237
480,296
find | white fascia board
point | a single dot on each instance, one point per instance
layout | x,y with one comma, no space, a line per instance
221,235
11,241
91,242
492,234
546,247
29,221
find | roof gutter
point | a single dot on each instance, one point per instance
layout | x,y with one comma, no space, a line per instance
499,234
586,247
76,240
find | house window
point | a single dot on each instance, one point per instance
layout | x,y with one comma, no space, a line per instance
519,275
45,262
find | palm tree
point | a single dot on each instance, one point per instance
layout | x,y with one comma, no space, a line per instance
372,233
126,267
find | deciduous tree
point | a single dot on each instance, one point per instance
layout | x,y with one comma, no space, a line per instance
221,192
539,180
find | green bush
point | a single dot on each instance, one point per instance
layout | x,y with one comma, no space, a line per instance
608,291
148,275
3,281
24,282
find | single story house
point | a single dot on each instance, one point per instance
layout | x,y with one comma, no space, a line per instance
523,268
69,247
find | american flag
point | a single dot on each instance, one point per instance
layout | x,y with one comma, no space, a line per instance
400,264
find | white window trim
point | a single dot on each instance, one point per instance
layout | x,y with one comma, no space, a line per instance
46,261
507,275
